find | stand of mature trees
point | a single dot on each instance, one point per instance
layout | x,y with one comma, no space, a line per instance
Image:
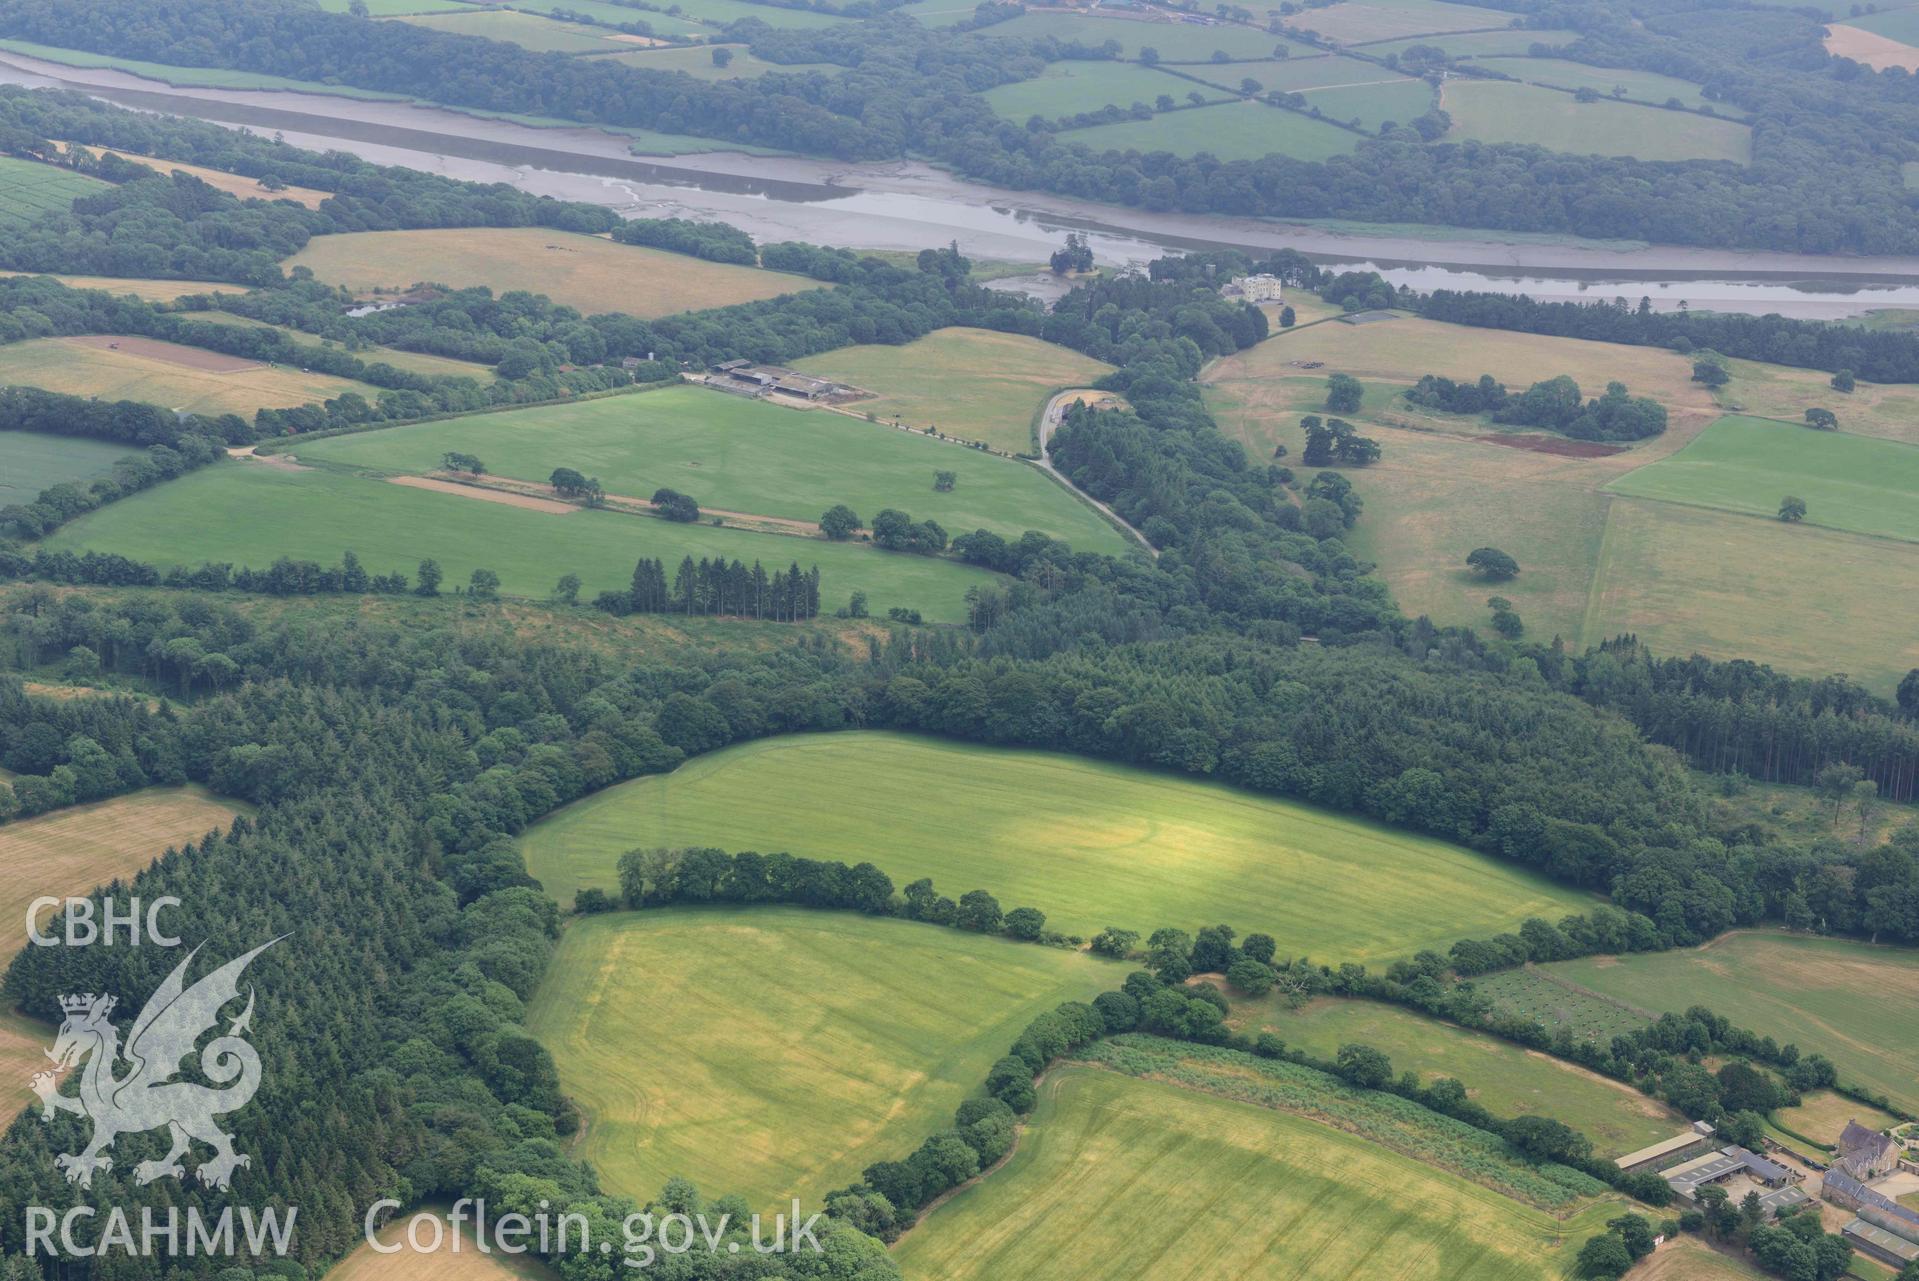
709,587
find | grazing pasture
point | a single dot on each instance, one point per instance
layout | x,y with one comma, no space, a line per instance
529,31
1645,86
1886,410
1501,111
1727,586
1226,131
1121,1179
1529,993
971,383
587,272
776,1052
734,454
1365,21
1087,842
30,189
1855,483
1500,1076
1069,88
1297,74
191,379
32,461
1180,42
1823,1114
1856,1004
697,61
312,514
1400,101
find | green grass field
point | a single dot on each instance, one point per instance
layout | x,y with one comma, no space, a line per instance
1531,994
1121,1179
663,24
697,61
1690,580
734,454
1856,483
1516,40
971,383
1857,1005
1316,71
587,272
30,189
718,13
1373,105
1069,88
1496,111
1646,86
1091,844
31,461
1889,411
1500,1076
770,1051
1227,131
269,511
391,8
1175,41
1365,21
529,31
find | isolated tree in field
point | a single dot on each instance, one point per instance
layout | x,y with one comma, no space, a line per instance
1025,923
454,461
1288,317
1165,102
1250,87
1822,419
428,578
567,590
1343,394
567,481
1149,56
1792,509
674,505
856,605
1844,380
1711,373
840,522
722,56
1492,564
483,584
944,482
1197,98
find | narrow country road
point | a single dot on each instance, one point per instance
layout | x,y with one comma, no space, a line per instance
1047,422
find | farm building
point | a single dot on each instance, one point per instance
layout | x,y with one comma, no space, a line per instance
1866,1154
1260,288
1739,1172
1843,1190
1690,1143
748,379
1880,1243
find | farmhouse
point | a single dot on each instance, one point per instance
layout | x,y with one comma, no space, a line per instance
1866,1154
1690,1143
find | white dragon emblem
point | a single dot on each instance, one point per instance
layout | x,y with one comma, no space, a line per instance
147,1097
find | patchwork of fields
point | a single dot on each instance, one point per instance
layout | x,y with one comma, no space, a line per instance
734,454
771,1052
1365,21
1176,42
189,379
1121,1179
1070,88
1813,991
971,383
587,272
1090,844
311,514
